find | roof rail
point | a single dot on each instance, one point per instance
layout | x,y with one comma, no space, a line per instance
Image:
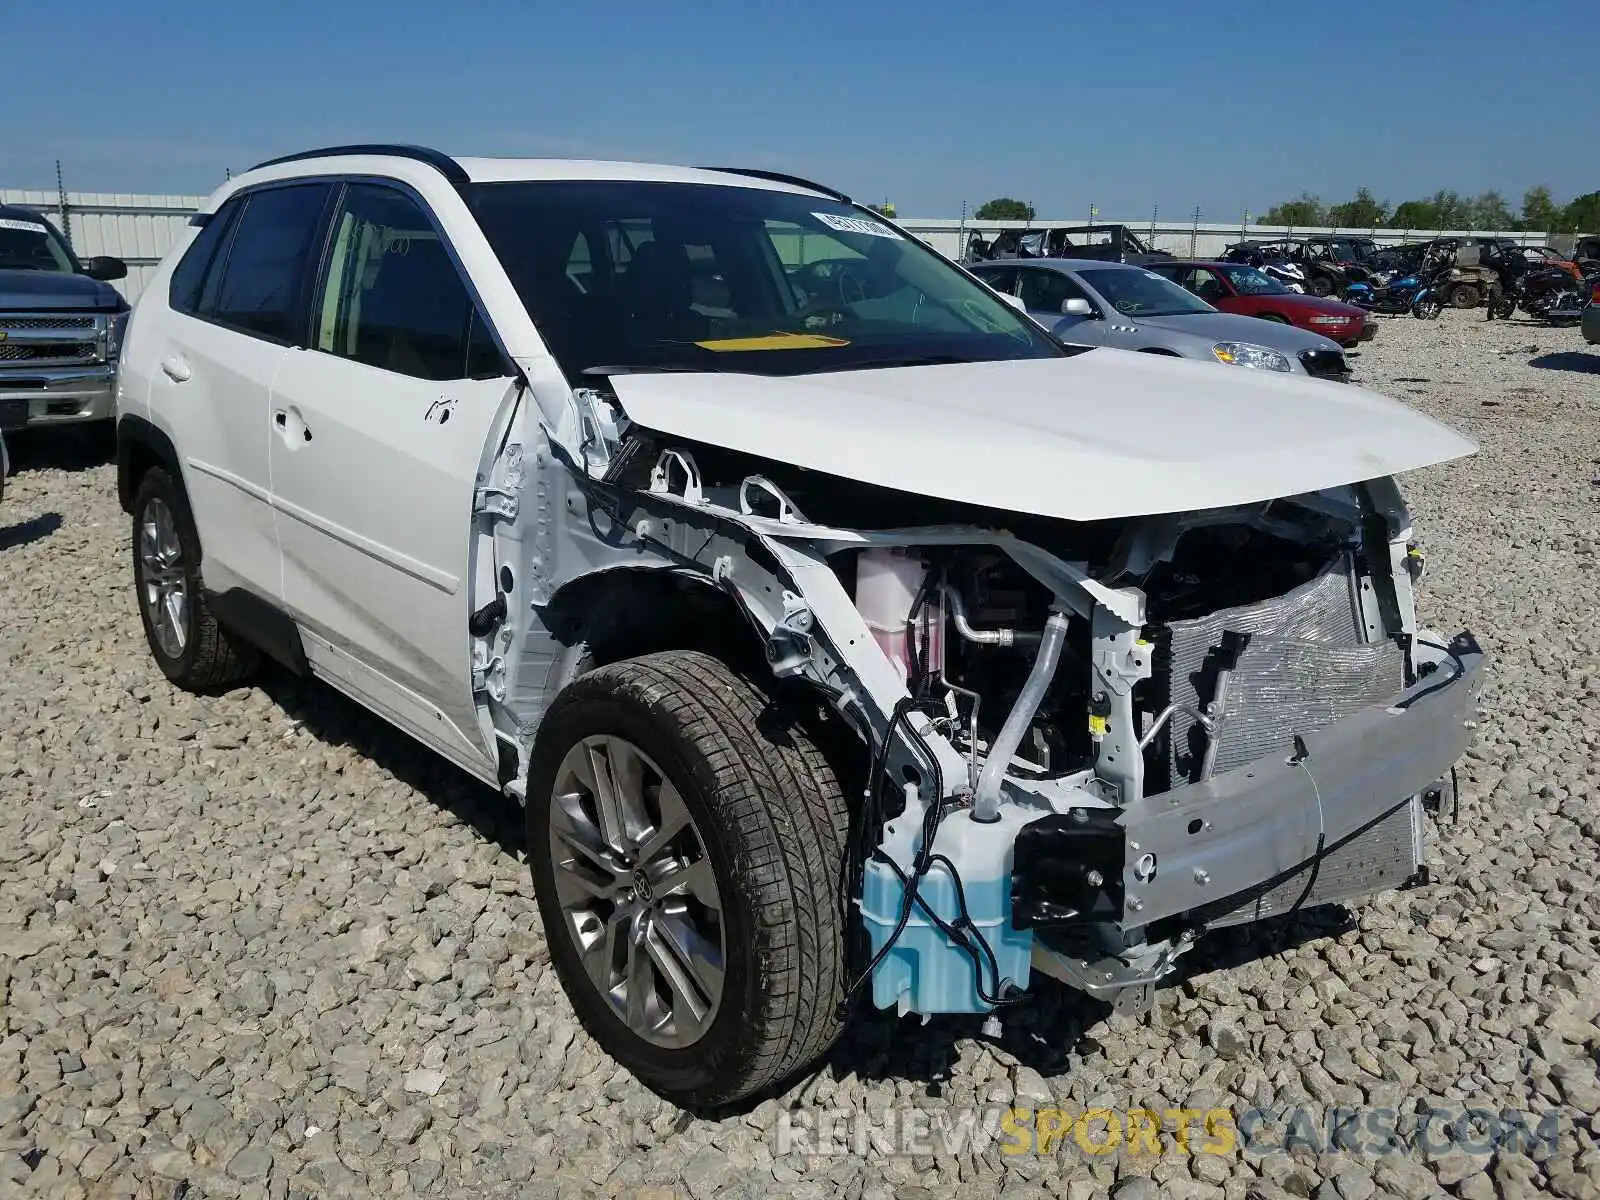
443,163
780,177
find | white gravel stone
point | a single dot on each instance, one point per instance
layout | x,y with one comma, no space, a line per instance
309,916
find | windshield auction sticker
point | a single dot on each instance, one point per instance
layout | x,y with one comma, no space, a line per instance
776,341
857,225
25,226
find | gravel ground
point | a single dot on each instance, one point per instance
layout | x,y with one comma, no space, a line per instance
260,944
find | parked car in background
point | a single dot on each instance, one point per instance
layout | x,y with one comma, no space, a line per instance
61,326
1092,303
1590,320
1236,288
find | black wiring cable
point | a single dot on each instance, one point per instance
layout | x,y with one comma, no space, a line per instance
965,934
932,817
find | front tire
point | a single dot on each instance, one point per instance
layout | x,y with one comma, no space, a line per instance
188,644
1465,295
1426,308
685,836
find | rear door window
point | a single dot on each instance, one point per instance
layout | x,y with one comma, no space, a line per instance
189,276
263,282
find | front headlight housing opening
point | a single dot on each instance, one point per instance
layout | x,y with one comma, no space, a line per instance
1244,354
116,327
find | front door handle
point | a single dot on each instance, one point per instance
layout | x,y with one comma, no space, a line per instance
176,368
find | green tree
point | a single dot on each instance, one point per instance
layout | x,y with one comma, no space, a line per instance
1363,212
883,210
1539,211
1582,215
1005,209
1305,209
1490,212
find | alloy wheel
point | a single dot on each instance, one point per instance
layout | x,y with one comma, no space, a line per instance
637,892
163,585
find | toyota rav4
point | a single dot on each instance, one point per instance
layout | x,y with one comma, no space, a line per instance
841,634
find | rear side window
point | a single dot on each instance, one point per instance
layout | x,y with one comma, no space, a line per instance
267,262
393,298
1046,291
188,277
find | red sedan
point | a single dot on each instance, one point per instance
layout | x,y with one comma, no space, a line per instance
1237,288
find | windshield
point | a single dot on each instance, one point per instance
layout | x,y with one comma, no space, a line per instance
1138,293
1248,281
625,274
32,246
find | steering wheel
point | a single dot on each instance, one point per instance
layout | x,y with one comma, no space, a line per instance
837,308
814,277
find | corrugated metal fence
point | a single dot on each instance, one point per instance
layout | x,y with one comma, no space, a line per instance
140,229
137,229
1188,238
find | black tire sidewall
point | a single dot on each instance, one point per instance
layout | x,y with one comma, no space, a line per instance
157,484
714,1064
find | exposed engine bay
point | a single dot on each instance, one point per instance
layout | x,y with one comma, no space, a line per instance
1088,741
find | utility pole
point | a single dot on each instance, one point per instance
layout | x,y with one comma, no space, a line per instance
61,206
1194,231
1154,210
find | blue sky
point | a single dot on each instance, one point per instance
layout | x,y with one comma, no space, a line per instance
926,104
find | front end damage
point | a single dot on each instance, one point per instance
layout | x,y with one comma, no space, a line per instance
1089,742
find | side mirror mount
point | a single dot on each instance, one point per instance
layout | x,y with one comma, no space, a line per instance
1016,302
104,268
1076,307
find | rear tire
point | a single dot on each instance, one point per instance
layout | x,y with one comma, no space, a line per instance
768,822
1320,285
188,644
1465,295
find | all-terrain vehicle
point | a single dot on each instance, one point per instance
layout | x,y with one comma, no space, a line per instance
843,635
1103,243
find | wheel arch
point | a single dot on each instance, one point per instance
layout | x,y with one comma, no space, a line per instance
629,611
142,446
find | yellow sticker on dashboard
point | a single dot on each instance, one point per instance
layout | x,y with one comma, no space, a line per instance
775,341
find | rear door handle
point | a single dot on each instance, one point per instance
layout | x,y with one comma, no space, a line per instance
176,368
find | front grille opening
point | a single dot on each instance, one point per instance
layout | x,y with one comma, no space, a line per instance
42,352
61,322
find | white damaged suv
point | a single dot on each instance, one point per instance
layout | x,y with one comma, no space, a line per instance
843,635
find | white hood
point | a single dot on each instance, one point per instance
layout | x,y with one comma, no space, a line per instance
1108,433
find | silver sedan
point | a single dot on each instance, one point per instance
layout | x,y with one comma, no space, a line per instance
1114,304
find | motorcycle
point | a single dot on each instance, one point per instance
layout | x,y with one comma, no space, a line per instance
1429,300
1416,292
1545,294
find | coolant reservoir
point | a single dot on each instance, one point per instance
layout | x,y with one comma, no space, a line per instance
887,583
